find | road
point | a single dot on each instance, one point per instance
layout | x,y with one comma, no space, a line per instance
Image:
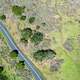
14,46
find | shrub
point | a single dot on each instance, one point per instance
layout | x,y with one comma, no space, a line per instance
3,77
23,17
37,37
3,17
14,54
18,10
31,20
26,33
1,69
20,65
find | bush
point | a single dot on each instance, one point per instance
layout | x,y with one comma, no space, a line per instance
23,40
23,17
20,65
37,38
3,77
1,69
3,17
40,55
26,34
18,10
14,54
31,20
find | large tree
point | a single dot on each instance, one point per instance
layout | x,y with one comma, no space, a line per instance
41,55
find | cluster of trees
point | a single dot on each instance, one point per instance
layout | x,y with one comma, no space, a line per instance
19,10
2,75
41,55
35,37
14,55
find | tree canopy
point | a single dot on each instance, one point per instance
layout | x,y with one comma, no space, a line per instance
26,33
1,69
18,10
31,20
14,54
37,37
41,55
3,17
20,65
3,77
23,17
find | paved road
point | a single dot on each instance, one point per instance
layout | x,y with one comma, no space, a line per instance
14,46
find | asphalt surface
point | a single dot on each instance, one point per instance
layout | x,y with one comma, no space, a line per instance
14,46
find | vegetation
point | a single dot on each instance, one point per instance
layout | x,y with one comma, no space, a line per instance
26,34
37,37
1,69
31,20
24,41
23,17
20,65
14,54
18,10
43,23
37,27
41,55
3,77
3,17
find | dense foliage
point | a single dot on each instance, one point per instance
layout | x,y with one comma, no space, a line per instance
20,65
14,54
1,69
31,20
26,34
23,17
3,77
3,17
37,37
18,10
41,55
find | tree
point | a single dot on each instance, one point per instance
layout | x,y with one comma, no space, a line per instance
3,17
26,33
24,41
1,69
3,77
20,65
41,55
18,10
23,17
37,37
31,20
14,54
